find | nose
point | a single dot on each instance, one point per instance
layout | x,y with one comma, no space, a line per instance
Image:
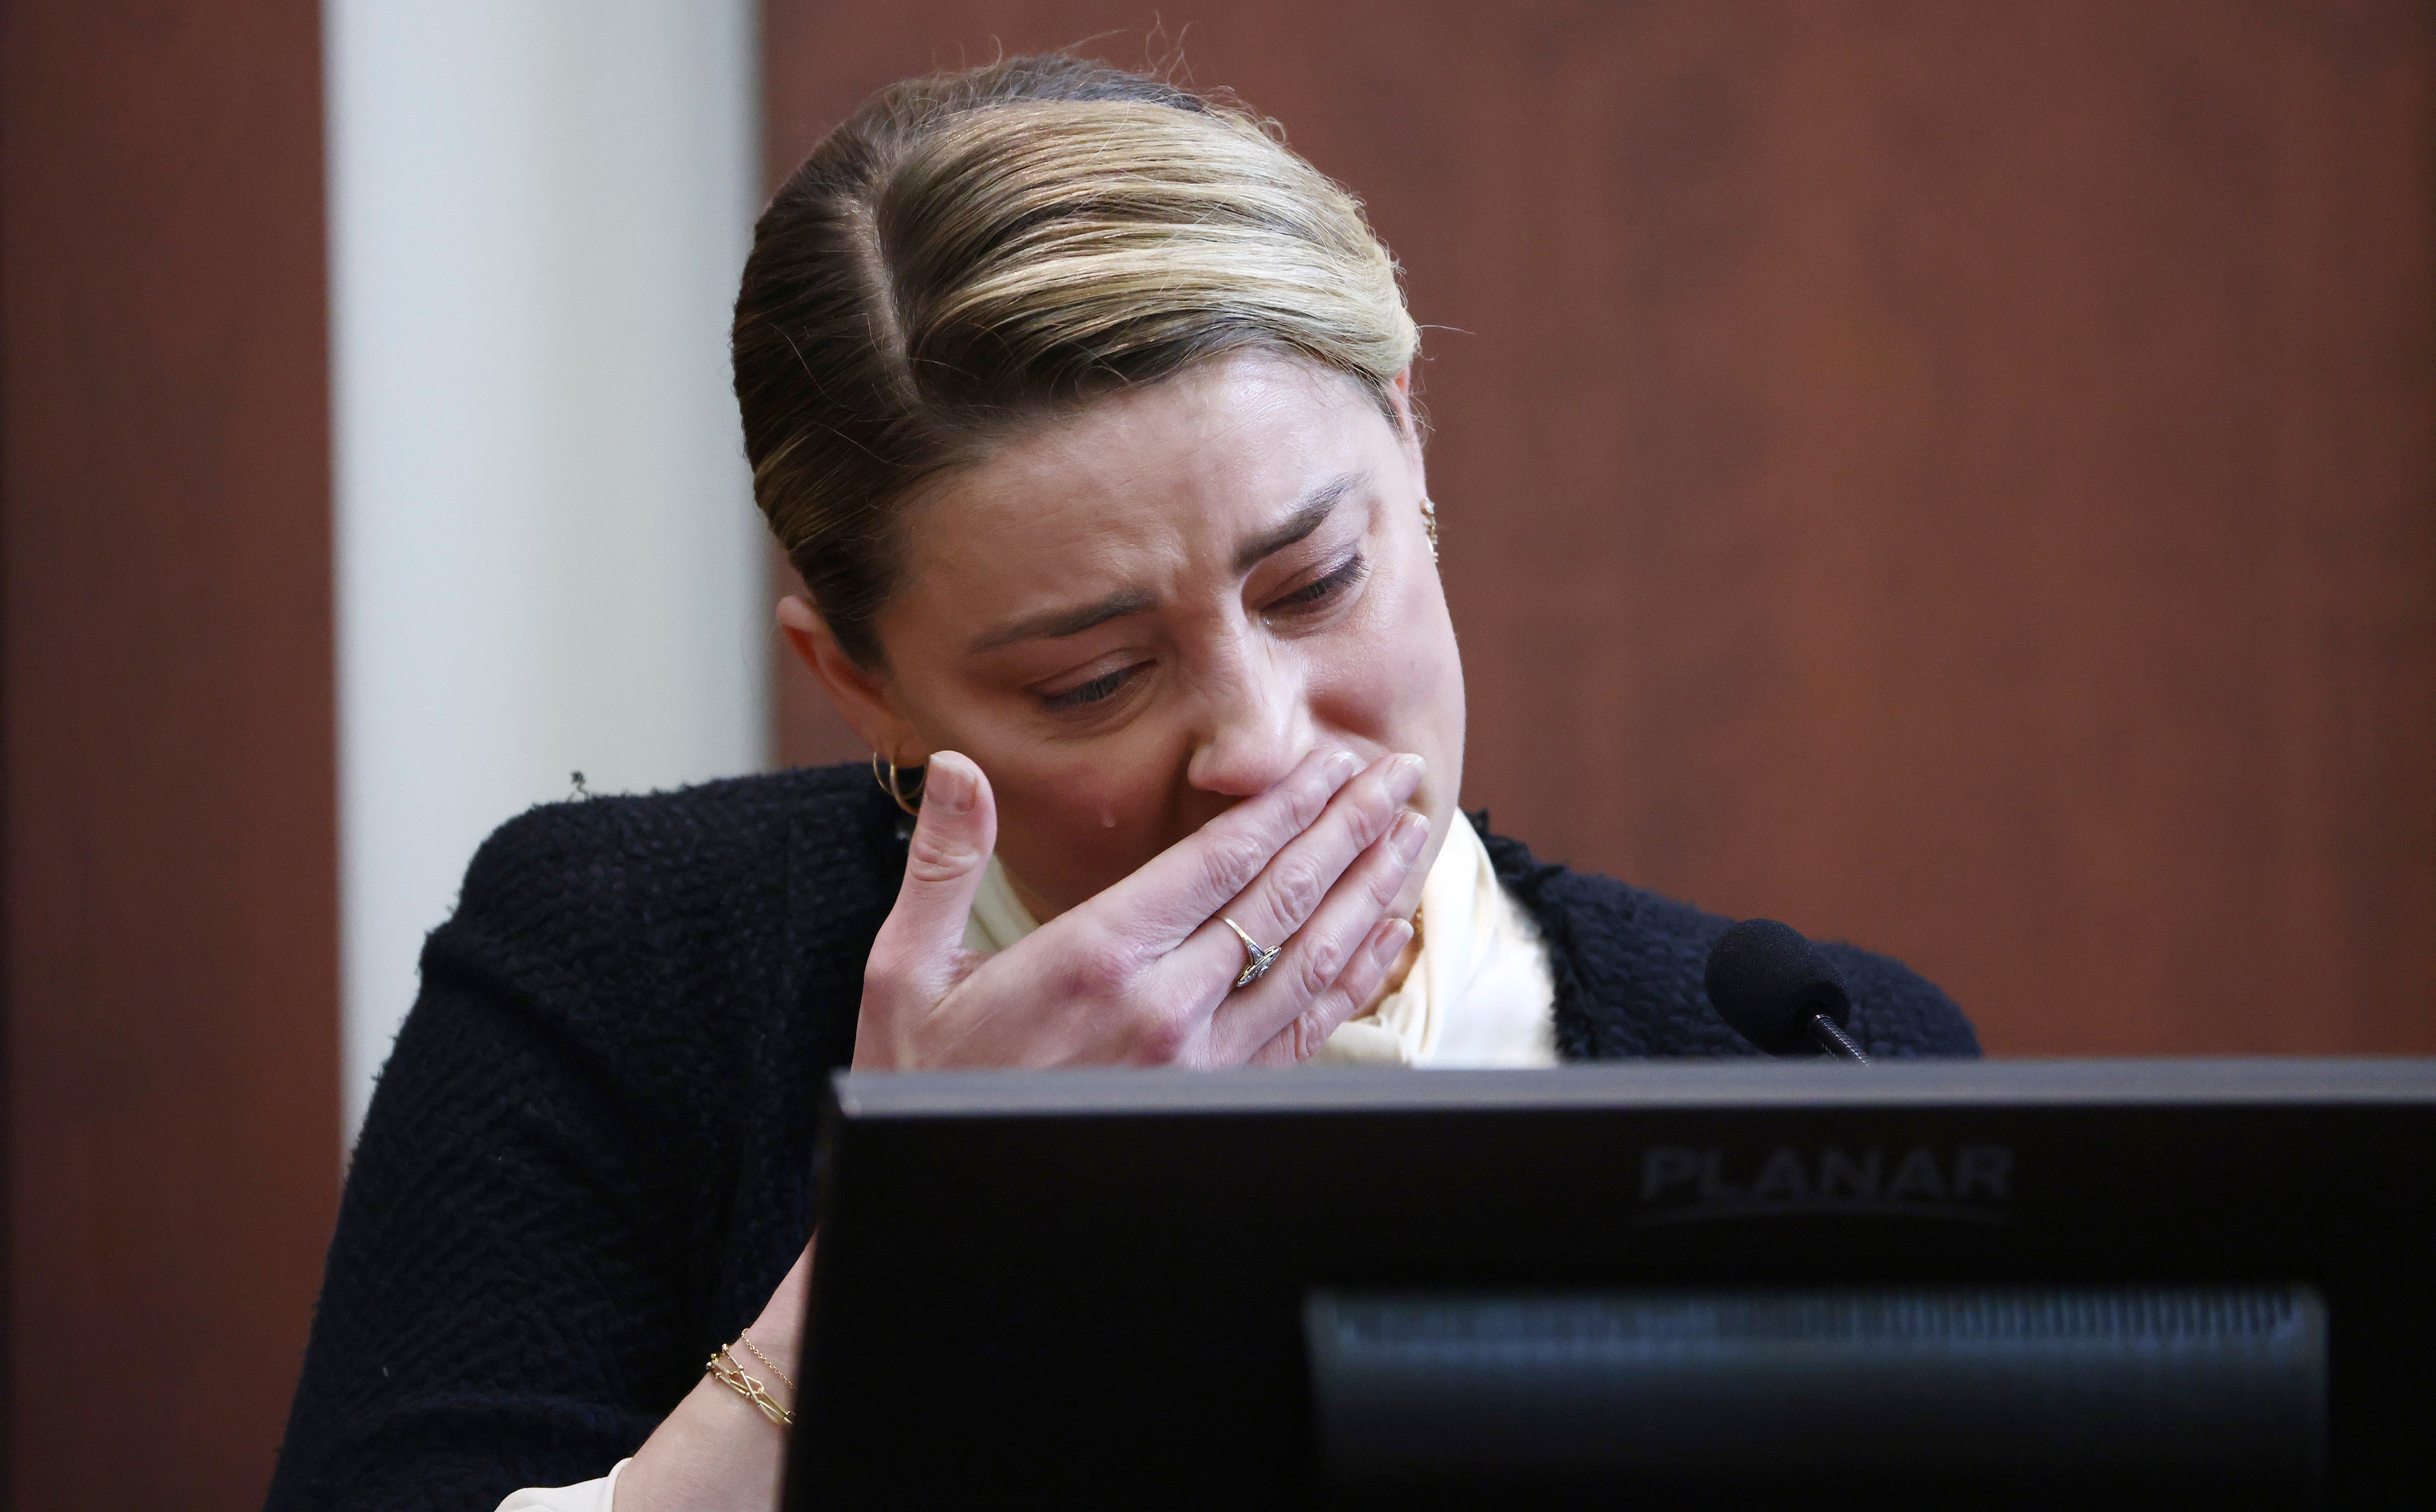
1256,725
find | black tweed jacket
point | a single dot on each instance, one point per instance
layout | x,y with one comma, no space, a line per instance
586,1164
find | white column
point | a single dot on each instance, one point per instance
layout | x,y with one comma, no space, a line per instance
547,557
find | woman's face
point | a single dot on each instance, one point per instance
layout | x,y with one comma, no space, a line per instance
1138,616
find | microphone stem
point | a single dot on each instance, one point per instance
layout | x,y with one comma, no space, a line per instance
1832,1039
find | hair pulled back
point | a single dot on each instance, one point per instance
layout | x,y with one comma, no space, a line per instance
972,250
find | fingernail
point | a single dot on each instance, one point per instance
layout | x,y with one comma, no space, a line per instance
1391,944
1340,767
950,785
1410,833
1405,775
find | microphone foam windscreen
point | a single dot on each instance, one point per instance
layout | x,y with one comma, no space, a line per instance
1764,977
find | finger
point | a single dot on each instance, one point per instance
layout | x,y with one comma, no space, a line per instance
1290,889
1183,885
1340,1003
1317,958
919,950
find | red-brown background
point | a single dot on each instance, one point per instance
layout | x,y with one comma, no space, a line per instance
171,931
1954,477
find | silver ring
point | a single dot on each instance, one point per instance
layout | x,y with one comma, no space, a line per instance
1263,956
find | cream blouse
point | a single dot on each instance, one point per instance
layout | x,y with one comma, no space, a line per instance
1479,996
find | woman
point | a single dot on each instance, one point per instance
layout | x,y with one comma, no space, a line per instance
1084,408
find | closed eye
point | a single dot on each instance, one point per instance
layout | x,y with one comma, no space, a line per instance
1098,689
1322,591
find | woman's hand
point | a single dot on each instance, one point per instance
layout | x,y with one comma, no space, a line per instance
1144,973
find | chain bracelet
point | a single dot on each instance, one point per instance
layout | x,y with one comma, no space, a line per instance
746,1338
722,1368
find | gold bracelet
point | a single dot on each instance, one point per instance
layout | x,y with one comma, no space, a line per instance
746,1338
722,1368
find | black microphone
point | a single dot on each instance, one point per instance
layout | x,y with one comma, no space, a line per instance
1778,991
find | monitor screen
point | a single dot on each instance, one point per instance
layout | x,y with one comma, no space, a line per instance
1722,1283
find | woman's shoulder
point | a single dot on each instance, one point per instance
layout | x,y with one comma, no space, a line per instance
734,824
693,909
1628,966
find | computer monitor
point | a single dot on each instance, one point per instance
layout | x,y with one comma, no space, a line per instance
2101,1283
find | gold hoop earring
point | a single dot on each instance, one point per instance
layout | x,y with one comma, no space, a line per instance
1430,525
889,785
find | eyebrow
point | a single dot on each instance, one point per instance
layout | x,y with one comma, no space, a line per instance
1053,624
1307,517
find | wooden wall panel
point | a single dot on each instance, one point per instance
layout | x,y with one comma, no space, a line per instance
1956,476
171,929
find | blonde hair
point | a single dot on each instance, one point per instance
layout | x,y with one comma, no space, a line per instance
973,250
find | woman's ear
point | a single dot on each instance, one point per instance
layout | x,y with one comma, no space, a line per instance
861,696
